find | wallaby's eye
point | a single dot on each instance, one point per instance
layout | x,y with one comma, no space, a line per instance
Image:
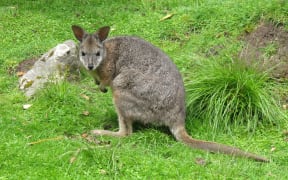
98,53
83,54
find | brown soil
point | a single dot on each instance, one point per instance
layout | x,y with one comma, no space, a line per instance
25,65
267,48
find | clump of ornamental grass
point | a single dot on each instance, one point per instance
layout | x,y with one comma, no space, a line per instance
230,94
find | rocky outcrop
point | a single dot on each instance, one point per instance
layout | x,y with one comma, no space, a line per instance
55,65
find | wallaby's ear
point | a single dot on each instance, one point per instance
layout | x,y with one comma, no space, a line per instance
102,33
78,32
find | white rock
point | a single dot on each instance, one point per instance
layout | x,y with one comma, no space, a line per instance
53,66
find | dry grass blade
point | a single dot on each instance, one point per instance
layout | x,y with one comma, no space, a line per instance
168,16
45,140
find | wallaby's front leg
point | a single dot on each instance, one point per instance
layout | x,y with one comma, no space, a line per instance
101,87
97,82
125,128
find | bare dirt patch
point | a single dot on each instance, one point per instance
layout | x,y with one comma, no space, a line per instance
25,65
267,48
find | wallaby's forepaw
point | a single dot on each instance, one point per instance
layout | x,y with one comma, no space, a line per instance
103,89
97,82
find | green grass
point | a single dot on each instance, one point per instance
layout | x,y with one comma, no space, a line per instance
198,28
226,95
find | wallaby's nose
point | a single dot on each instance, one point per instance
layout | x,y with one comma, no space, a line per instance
90,66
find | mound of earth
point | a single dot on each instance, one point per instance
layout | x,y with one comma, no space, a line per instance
267,48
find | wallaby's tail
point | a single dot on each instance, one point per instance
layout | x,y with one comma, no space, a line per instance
181,135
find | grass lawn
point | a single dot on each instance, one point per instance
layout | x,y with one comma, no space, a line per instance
47,141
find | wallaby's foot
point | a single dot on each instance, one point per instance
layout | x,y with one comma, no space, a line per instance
125,129
109,133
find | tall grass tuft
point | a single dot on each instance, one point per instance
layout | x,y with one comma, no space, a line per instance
231,94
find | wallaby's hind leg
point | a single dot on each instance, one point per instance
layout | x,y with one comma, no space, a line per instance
125,124
125,128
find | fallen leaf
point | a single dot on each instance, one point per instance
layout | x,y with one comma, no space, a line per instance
26,106
168,16
200,161
84,135
284,106
273,149
85,97
102,171
285,133
20,73
72,160
85,113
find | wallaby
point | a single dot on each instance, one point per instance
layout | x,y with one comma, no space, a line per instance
146,86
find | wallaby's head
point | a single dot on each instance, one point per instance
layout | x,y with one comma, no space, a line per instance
91,50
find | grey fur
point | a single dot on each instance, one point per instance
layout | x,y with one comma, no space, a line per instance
146,86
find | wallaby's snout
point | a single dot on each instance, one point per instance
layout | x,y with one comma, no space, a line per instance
90,66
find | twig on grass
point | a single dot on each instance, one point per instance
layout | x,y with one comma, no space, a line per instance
45,140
